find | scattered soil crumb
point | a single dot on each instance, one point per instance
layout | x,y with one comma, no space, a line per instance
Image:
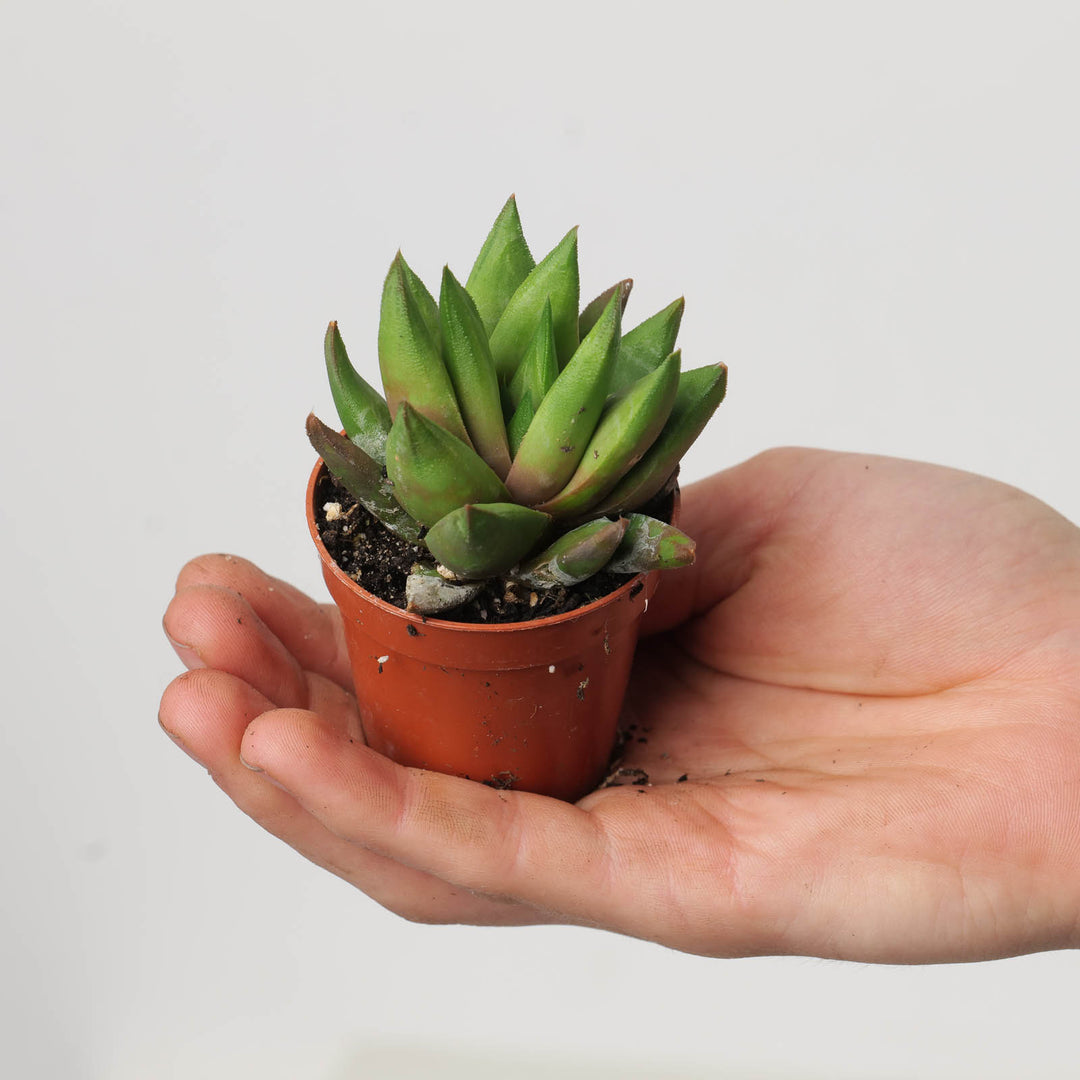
621,776
502,781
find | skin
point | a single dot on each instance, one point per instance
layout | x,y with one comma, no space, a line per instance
871,678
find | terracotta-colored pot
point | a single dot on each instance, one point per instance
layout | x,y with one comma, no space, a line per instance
529,705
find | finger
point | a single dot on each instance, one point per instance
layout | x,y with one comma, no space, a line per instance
309,630
728,515
206,713
673,602
865,574
549,854
697,716
224,632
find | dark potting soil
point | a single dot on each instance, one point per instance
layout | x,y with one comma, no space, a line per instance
380,562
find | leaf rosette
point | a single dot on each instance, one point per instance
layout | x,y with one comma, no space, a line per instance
518,434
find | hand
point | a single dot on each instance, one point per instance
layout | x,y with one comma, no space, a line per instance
870,680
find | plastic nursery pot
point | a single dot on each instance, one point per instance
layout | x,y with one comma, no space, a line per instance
529,705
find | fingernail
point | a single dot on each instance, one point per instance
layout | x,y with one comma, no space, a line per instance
265,775
187,653
176,739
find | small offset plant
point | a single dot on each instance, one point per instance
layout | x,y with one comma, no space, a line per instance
519,437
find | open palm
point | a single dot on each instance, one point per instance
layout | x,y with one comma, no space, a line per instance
858,714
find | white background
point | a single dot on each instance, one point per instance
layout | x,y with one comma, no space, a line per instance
872,210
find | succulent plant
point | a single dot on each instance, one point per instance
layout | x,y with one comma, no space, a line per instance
519,436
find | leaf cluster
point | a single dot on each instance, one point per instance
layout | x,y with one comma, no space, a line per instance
517,434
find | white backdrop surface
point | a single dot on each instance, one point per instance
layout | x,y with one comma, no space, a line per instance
872,211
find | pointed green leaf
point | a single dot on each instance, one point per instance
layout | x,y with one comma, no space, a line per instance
651,544
627,428
539,367
645,347
425,302
362,477
468,360
361,407
554,278
409,359
428,593
503,264
485,539
433,472
595,308
565,419
700,392
575,556
519,423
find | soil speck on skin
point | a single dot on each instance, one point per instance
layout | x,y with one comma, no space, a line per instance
502,781
620,775
380,562
682,779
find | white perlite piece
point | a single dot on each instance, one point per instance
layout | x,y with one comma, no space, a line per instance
332,510
382,659
551,669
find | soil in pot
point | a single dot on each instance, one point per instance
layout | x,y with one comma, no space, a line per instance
380,562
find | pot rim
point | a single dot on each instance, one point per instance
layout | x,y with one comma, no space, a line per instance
637,582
